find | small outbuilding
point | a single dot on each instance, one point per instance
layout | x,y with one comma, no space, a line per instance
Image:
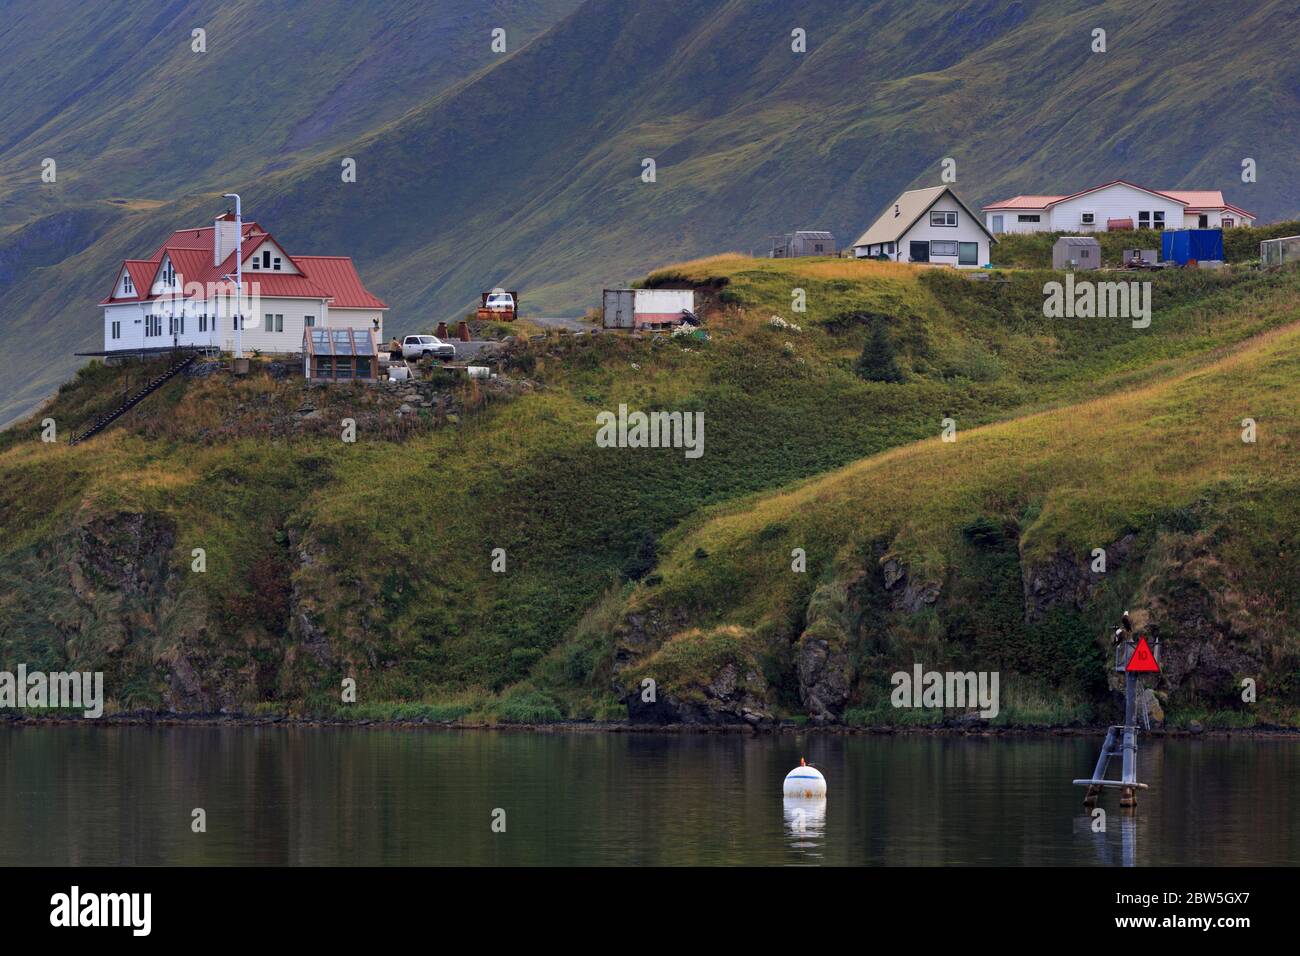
804,242
339,355
1275,252
1076,252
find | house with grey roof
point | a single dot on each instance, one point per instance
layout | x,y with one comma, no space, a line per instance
931,225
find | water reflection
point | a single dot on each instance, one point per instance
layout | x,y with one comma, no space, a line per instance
805,824
1097,828
297,796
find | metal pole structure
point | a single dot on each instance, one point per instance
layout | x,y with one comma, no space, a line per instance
1126,734
239,275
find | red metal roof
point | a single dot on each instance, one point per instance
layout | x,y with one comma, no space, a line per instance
1041,202
1026,202
339,275
190,250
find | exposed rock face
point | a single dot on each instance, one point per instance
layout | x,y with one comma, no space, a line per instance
1067,578
823,678
906,593
1214,629
127,552
303,613
699,677
731,696
643,631
821,656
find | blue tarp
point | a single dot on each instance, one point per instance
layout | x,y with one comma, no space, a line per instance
1183,245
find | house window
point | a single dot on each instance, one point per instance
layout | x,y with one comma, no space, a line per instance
309,321
1028,217
266,258
939,217
117,330
1144,219
203,322
276,266
1159,218
128,287
943,247
152,326
889,247
968,253
176,325
1228,222
274,323
1087,218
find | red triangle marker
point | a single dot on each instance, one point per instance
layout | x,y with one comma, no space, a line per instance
1143,661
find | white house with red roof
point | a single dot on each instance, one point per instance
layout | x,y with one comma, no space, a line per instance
184,294
1116,205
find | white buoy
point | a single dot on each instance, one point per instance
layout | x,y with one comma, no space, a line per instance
805,781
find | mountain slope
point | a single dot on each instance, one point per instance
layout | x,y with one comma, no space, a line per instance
528,174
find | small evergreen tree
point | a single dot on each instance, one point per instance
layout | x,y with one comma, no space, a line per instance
877,362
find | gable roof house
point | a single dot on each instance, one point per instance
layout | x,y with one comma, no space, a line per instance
184,294
928,225
1116,205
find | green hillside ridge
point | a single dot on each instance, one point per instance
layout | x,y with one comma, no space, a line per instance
373,559
525,171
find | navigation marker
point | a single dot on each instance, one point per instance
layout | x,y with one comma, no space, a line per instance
1143,661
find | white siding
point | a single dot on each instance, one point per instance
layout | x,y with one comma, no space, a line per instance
1011,220
1214,219
966,230
257,337
275,252
1118,201
131,317
355,319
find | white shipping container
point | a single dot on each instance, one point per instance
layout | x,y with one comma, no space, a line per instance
657,306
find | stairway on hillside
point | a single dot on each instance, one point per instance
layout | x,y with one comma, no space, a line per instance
153,386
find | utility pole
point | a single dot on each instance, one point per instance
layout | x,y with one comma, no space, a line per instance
1133,657
239,275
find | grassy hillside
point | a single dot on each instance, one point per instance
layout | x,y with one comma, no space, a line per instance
374,559
528,172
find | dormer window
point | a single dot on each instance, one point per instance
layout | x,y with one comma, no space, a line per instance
266,258
128,287
169,274
253,262
276,266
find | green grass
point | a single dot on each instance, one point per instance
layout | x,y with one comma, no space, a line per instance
385,546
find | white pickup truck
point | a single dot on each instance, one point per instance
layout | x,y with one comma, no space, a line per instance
416,347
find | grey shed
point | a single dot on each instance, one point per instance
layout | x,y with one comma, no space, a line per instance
1076,252
805,242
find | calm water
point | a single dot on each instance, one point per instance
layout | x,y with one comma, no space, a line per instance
338,797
